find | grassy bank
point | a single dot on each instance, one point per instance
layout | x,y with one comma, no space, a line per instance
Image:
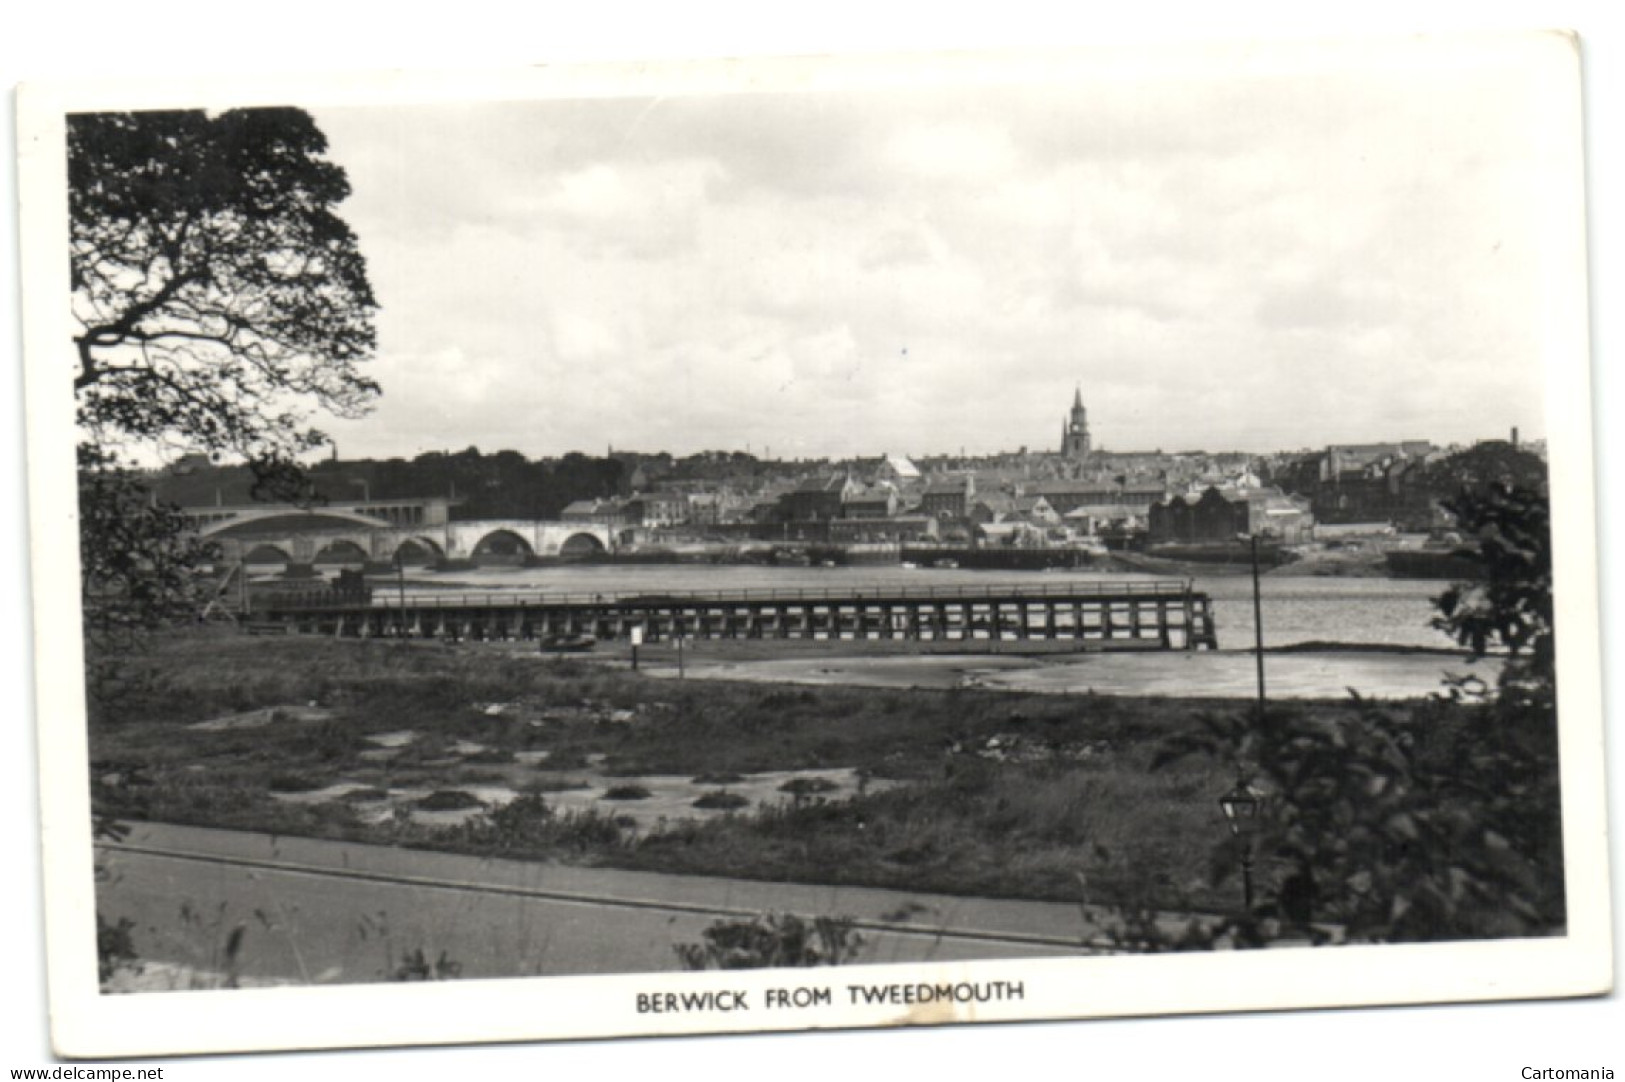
958,791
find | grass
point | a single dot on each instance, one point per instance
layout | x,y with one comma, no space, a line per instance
980,828
806,786
952,817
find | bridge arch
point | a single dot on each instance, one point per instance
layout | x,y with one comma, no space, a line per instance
341,550
417,550
266,553
501,546
582,544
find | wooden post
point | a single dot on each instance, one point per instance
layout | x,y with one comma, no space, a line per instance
1258,628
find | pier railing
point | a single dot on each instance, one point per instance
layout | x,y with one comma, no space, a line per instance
384,597
1109,615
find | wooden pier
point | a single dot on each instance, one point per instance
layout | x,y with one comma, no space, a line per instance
1097,615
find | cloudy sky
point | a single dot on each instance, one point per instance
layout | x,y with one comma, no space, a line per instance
1219,258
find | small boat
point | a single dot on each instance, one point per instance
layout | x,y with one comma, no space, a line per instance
908,565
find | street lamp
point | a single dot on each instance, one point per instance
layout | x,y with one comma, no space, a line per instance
1258,630
400,583
1241,806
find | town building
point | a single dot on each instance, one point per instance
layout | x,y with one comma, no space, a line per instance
1034,510
898,470
879,500
816,499
658,509
1068,496
1227,514
948,497
896,529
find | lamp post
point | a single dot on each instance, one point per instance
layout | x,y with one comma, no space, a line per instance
400,584
1241,806
1258,629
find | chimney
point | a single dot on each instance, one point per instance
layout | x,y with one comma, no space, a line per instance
1514,437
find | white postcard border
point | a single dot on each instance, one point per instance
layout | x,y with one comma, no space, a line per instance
86,1023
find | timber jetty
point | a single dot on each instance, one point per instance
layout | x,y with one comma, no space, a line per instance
1100,615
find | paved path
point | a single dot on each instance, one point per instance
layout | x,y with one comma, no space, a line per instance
317,910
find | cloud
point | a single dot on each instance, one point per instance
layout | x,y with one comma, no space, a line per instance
1255,261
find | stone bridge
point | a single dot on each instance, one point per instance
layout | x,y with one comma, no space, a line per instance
312,536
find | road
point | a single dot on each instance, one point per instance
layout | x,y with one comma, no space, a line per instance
324,911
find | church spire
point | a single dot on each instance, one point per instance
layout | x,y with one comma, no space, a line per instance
1075,430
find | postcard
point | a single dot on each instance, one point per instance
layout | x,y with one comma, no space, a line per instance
819,543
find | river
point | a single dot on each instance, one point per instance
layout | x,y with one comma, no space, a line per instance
1356,611
1377,614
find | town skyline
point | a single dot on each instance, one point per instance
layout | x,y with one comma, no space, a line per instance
1309,250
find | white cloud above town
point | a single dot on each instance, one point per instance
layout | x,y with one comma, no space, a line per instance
1259,262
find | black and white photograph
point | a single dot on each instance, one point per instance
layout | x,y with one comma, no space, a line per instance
746,545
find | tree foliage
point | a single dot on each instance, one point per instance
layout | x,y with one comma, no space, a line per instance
1511,606
216,292
1424,821
1411,823
137,562
485,485
1476,468
218,300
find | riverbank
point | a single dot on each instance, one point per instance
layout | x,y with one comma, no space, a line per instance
1228,674
978,786
1297,671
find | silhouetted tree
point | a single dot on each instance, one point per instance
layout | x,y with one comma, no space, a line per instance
1511,606
1436,820
218,295
219,299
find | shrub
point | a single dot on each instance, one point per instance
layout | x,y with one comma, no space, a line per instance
773,941
808,786
721,800
564,759
415,966
326,741
1435,822
449,800
115,948
294,783
527,825
586,830
627,792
